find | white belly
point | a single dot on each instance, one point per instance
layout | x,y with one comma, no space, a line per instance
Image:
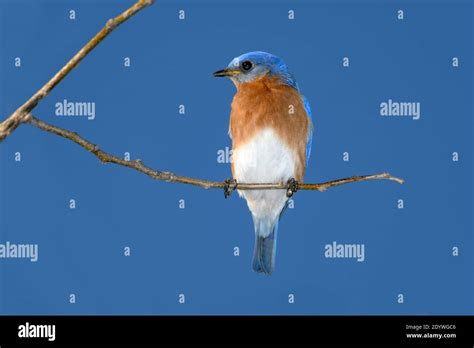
264,159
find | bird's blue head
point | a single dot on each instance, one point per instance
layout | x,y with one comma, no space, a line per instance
254,65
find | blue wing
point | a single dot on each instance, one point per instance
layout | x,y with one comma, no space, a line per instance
310,134
290,81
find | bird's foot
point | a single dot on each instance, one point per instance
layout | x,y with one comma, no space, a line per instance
229,186
292,186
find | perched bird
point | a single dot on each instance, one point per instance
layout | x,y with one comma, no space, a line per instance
271,131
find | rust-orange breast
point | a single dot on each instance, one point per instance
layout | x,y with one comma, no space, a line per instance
269,103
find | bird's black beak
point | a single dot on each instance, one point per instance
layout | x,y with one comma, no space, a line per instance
226,72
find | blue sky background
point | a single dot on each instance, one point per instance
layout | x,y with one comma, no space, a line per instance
407,251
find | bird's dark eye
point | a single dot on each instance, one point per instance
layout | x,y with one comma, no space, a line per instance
246,65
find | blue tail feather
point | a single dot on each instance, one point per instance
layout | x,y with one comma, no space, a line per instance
265,247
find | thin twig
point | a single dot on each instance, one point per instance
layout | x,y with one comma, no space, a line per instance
22,113
138,165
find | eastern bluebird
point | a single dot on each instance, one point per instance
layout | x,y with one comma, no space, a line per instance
271,131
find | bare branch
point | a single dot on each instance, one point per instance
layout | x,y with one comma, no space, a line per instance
22,113
138,165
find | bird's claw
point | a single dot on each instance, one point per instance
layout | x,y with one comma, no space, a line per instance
292,187
229,186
